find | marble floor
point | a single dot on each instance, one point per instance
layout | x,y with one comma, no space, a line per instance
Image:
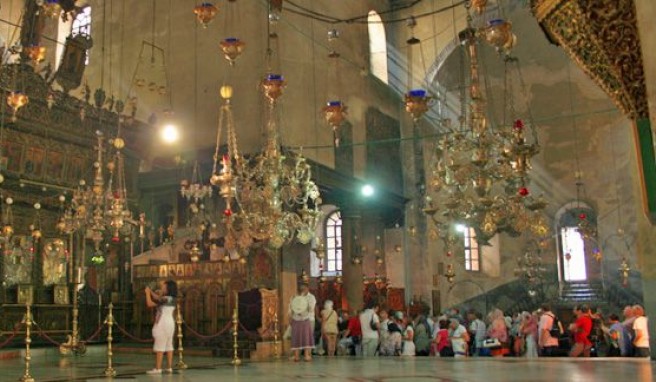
132,367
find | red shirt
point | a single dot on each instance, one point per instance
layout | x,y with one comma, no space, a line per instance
583,329
354,328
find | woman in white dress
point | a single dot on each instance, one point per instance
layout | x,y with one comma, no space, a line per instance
164,327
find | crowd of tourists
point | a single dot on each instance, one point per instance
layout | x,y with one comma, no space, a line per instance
380,332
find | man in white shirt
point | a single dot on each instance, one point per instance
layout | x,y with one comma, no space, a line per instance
641,340
459,338
548,345
477,329
370,323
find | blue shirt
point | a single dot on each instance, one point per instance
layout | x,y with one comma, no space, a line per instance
623,341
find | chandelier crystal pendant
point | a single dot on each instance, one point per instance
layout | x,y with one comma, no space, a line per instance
279,200
480,174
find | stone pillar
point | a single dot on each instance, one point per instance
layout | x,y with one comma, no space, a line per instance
352,273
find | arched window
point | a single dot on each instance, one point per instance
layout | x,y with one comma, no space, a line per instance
377,46
82,22
472,251
333,259
576,227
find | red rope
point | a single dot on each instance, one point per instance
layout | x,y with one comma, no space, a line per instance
12,335
201,336
130,336
95,334
41,333
253,333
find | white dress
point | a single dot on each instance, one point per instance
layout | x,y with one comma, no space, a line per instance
408,345
164,327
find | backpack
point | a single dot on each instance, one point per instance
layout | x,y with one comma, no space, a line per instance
555,330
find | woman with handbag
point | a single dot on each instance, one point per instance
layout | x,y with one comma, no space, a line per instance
329,327
498,330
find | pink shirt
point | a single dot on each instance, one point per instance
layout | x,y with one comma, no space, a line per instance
546,322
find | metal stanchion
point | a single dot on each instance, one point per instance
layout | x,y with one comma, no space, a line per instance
235,332
109,321
178,320
28,340
276,341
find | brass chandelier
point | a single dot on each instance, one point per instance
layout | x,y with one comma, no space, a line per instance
480,171
279,201
269,197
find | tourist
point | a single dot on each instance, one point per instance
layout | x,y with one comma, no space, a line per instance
548,332
302,313
329,328
618,338
370,323
422,335
629,318
352,338
477,329
164,327
387,346
498,330
459,338
409,348
641,340
442,345
581,329
529,332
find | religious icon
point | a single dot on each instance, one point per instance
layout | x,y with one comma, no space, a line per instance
75,168
33,164
55,165
12,153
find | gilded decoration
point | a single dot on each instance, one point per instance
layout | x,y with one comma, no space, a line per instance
269,309
601,36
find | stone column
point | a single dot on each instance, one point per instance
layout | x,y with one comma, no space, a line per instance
352,273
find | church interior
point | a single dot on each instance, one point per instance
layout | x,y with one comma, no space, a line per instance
425,156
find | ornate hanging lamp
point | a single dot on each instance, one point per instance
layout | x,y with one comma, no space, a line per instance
417,100
51,8
280,200
335,111
481,171
232,47
205,13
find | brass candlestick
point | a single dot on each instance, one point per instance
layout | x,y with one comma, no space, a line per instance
276,341
28,340
235,333
109,321
178,321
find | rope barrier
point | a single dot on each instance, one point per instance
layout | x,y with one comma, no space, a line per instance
95,334
130,336
205,337
42,334
12,335
254,333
